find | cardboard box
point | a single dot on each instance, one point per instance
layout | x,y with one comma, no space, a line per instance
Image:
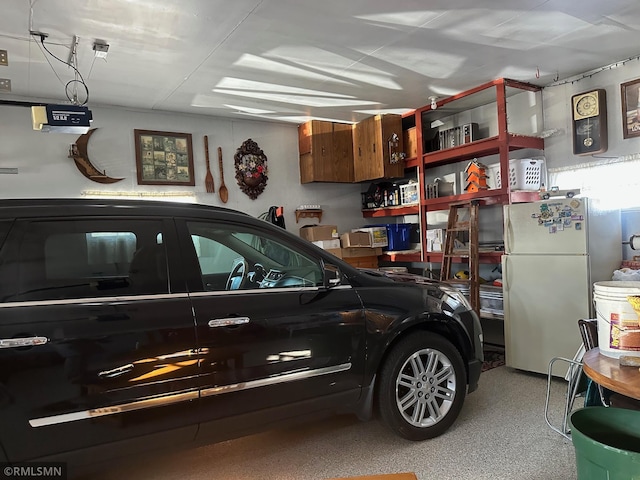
436,234
319,232
434,245
378,235
328,244
362,262
361,252
355,239
335,251
388,476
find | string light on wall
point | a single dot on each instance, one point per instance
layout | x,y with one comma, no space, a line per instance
104,193
591,73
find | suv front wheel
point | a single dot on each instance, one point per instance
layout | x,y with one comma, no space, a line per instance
422,386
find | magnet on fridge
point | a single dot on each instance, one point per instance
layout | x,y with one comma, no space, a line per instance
567,222
578,225
553,229
560,227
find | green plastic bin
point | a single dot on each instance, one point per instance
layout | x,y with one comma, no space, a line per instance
607,443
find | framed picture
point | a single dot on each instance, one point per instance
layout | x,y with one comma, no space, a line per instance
630,96
164,158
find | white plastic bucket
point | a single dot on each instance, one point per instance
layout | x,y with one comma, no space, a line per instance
618,323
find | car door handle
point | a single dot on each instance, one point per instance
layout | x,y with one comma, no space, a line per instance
22,342
228,322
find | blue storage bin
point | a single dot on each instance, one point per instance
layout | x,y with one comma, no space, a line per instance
398,235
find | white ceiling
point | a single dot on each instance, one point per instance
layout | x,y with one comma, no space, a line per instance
291,60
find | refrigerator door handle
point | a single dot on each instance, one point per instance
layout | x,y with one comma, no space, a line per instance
508,230
505,275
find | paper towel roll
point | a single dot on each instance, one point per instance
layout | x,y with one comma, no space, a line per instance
634,242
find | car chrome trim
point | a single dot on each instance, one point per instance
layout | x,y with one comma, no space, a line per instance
92,301
226,293
287,377
185,396
115,409
264,291
228,322
22,342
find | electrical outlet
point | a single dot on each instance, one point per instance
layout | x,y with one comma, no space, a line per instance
4,58
5,85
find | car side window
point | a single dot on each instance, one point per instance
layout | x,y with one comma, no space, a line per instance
84,258
234,257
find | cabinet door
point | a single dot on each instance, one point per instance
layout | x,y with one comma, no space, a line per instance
315,141
364,151
371,148
340,168
304,137
389,125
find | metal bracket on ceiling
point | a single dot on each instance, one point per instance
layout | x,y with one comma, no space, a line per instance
74,51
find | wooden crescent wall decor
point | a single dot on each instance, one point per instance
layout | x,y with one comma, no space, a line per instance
78,152
251,168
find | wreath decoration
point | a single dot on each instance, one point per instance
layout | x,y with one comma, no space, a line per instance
251,168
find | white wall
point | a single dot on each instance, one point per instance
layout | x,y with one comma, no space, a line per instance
557,116
44,169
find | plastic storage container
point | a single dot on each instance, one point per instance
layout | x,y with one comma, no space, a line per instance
409,194
491,298
398,236
607,443
618,329
524,174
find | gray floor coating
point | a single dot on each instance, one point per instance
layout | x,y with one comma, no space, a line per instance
500,434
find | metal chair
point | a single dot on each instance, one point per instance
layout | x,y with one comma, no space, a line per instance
577,383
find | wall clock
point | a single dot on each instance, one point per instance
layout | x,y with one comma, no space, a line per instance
589,115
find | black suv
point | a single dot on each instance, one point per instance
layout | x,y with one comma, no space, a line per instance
127,325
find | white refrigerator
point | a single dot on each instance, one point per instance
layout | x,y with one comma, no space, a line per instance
554,251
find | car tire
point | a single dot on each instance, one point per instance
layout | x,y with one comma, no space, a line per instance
422,386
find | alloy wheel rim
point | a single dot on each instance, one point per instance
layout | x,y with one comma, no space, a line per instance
425,388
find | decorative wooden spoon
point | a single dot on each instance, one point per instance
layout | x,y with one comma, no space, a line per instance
224,193
208,179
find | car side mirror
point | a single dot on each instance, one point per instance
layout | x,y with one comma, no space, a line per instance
332,276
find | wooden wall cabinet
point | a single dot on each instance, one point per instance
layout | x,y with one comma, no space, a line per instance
371,152
326,152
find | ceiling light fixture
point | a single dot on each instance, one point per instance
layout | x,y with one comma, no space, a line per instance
100,48
433,99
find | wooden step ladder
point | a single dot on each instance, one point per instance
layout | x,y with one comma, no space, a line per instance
470,252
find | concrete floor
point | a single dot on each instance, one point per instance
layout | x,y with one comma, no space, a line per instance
500,435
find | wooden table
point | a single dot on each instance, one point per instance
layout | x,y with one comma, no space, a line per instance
607,372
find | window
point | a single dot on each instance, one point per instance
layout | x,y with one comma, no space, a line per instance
611,183
232,258
86,258
104,254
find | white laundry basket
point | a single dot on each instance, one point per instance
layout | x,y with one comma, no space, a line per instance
524,174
